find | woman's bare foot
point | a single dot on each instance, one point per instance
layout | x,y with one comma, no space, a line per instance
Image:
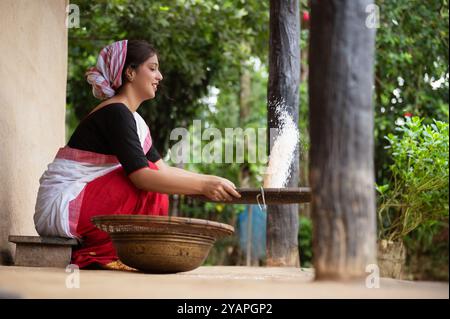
117,265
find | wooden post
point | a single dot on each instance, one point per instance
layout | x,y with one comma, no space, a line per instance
248,259
341,128
284,80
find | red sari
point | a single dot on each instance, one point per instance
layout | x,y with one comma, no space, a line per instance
110,194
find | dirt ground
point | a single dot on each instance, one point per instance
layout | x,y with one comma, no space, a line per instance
204,282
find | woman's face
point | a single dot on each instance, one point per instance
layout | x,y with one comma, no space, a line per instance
147,78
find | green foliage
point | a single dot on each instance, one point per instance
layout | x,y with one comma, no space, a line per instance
417,196
412,46
199,43
305,241
411,76
224,113
413,206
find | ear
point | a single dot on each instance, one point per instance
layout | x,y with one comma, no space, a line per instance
130,71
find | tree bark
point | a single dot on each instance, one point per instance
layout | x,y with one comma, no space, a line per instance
284,80
341,130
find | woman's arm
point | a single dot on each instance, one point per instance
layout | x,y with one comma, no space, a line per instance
179,171
172,180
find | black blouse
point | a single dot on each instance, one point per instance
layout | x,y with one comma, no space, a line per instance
112,130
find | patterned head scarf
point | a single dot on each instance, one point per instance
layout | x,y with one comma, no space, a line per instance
106,76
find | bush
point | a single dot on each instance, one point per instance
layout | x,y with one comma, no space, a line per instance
418,193
413,207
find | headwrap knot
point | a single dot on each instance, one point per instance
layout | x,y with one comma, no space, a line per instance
106,76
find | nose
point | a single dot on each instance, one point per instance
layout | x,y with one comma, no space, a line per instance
160,77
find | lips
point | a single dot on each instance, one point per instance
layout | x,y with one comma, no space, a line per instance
155,86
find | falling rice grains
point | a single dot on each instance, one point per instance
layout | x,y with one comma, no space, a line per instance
283,150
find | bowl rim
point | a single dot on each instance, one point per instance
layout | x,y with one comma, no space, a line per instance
123,219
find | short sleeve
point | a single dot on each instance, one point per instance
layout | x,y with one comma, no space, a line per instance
124,140
153,154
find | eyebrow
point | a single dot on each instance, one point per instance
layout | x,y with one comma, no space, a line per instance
154,63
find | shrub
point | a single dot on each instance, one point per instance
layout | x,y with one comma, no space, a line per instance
417,196
413,207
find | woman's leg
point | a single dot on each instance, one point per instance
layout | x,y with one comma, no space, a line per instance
110,194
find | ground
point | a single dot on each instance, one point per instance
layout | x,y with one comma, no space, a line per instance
204,282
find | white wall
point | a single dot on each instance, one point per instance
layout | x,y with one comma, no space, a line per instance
33,74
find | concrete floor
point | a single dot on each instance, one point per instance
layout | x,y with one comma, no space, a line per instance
204,282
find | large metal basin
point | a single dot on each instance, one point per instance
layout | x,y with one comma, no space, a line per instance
162,244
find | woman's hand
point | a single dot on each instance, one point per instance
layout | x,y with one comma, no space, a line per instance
219,189
173,180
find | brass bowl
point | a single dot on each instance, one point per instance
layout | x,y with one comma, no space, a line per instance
162,244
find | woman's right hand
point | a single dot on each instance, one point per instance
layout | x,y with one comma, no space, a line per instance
219,189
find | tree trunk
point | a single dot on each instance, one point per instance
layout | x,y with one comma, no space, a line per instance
341,129
284,80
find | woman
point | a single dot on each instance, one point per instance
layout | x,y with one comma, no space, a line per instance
109,165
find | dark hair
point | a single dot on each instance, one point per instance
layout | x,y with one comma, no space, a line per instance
138,51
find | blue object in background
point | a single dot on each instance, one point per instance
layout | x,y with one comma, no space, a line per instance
258,231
